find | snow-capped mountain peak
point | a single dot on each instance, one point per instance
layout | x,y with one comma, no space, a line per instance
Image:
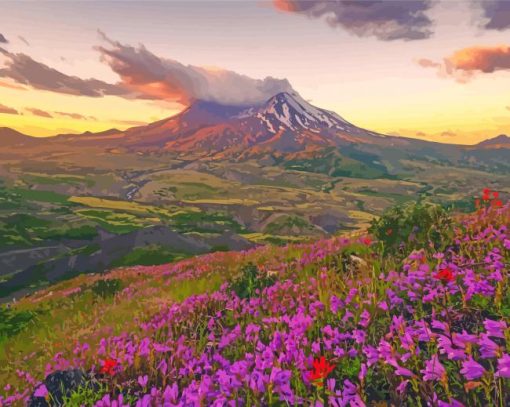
289,110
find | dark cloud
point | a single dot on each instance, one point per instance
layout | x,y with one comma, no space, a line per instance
466,63
152,77
385,20
39,112
7,110
76,116
3,40
496,13
23,40
25,70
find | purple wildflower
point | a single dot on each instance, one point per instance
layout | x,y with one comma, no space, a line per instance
488,348
41,391
472,370
434,370
143,380
495,328
504,366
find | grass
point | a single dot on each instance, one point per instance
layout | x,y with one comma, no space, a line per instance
119,205
41,196
228,201
58,179
288,223
114,222
149,256
60,321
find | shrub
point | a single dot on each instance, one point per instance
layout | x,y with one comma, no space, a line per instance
12,321
106,288
249,280
412,226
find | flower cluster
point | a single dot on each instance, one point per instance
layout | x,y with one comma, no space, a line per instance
490,198
432,329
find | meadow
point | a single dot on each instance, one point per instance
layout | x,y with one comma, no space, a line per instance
414,312
50,213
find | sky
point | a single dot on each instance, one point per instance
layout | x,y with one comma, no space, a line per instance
432,69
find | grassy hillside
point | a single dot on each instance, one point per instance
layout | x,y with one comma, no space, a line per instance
55,214
414,314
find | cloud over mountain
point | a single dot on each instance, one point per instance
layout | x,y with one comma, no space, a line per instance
484,59
465,63
154,77
385,20
25,70
144,75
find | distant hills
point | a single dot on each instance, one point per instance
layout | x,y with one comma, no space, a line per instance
285,130
215,177
501,141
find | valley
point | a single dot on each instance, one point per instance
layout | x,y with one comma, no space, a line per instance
215,178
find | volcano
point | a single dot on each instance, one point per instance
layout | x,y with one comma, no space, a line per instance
287,129
285,123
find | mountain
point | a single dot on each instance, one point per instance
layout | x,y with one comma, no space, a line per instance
501,141
286,130
10,137
285,123
90,134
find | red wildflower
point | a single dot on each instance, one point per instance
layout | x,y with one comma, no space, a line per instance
498,203
109,366
495,194
321,370
486,194
445,275
366,241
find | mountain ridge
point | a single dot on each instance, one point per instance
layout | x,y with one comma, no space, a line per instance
498,141
284,109
285,128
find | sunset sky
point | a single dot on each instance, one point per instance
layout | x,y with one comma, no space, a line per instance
438,70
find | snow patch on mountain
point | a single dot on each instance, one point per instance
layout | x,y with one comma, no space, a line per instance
291,111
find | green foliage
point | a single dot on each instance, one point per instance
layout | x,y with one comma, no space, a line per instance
81,232
149,256
249,280
412,226
205,222
349,163
12,322
106,288
348,368
220,248
86,395
286,223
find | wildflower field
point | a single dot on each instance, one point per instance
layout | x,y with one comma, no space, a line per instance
416,312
